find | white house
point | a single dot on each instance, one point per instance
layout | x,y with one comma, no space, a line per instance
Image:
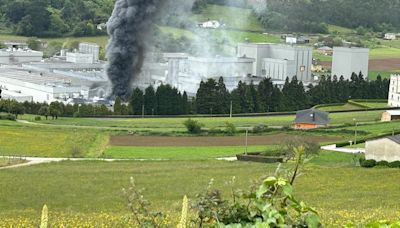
394,91
213,24
390,36
384,149
391,115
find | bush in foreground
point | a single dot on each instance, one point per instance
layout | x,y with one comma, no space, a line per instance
193,126
368,163
7,117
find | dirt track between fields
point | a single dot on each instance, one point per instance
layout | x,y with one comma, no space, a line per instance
376,64
211,141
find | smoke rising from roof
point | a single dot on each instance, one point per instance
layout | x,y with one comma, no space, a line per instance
128,27
131,28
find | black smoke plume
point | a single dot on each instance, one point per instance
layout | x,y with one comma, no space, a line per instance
129,28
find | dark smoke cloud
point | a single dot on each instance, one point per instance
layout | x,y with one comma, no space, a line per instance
129,27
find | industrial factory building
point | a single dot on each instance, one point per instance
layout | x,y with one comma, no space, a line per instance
44,82
17,56
394,91
254,63
277,61
347,61
88,53
186,72
41,87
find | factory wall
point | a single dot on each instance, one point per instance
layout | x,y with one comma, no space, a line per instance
302,57
350,60
8,57
40,93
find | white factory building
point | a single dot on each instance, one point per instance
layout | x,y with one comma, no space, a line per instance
185,72
394,91
347,61
254,63
277,61
88,53
16,56
39,87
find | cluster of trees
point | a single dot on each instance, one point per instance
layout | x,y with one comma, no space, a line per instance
163,101
55,17
213,97
53,110
314,15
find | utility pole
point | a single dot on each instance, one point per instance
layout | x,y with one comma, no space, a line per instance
247,135
231,110
142,111
355,134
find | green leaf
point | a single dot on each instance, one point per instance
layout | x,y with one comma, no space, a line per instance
313,221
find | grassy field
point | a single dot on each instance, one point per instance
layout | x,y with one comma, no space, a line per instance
181,153
88,188
176,124
384,53
375,104
372,75
233,17
350,106
338,107
26,140
10,161
334,29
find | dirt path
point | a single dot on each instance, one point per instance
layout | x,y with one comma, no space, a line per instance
212,141
31,161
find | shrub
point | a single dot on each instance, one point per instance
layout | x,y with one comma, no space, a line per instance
382,163
76,152
7,117
259,129
395,164
230,128
38,118
77,114
368,163
193,126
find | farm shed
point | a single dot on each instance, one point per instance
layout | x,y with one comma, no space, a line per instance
391,115
311,119
384,149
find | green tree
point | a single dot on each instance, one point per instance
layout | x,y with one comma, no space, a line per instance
44,111
150,101
118,106
137,101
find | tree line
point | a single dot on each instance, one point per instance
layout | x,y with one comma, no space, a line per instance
213,97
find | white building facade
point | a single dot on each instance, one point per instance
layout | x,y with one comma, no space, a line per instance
394,91
39,87
347,61
186,72
277,61
11,56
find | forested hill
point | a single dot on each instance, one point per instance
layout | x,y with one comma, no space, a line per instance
80,17
313,15
54,17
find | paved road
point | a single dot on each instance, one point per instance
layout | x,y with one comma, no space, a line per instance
30,161
344,150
